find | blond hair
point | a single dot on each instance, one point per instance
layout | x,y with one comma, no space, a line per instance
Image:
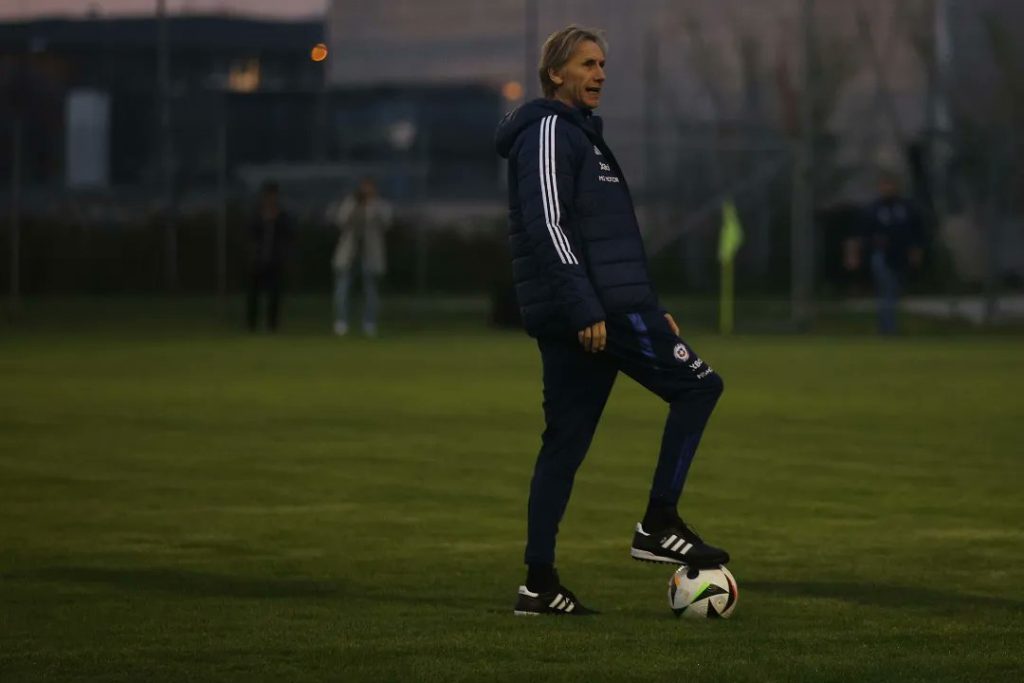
559,48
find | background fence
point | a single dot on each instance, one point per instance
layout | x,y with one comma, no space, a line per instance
790,112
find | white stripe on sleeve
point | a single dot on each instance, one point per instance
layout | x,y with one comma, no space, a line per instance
549,191
554,188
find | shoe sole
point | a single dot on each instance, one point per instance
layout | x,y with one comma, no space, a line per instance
588,613
645,556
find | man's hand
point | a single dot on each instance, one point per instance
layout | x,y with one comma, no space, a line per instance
593,338
672,324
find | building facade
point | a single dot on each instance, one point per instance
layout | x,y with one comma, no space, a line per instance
49,67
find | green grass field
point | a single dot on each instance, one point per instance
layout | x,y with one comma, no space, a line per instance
185,502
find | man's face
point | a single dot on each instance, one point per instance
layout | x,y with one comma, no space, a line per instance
581,79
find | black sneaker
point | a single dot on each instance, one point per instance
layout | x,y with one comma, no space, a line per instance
676,545
557,601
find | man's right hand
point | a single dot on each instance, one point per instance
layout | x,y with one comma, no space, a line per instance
593,338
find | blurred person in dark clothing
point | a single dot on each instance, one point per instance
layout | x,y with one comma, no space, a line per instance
269,237
892,245
362,219
585,293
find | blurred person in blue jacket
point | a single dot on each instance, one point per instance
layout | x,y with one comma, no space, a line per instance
585,293
892,245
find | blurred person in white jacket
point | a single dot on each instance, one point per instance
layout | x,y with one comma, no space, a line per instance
362,219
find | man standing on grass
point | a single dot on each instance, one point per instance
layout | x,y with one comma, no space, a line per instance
893,245
270,233
362,220
585,294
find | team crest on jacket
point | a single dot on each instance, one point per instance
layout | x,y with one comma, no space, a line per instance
681,353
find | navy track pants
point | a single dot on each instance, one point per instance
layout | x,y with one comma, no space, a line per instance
576,388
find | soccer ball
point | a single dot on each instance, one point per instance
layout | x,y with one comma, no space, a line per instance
703,593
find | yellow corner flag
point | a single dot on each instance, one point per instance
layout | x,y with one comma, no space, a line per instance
730,239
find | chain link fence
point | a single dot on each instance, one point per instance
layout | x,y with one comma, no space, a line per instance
731,98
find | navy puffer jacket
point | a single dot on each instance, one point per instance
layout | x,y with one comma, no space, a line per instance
577,254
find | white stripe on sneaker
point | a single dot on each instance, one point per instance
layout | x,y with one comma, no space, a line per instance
554,603
669,541
678,544
686,549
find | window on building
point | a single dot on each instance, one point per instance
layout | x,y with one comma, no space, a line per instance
244,75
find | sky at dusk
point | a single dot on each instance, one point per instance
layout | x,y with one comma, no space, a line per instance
26,9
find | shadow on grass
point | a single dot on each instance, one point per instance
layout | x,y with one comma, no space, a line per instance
189,583
880,595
